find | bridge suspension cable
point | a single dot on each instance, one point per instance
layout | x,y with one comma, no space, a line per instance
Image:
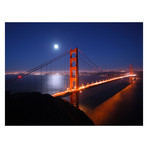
95,66
63,76
87,63
37,67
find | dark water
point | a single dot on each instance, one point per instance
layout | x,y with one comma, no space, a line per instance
51,83
115,103
47,84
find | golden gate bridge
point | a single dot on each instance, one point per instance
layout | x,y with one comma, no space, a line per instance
79,70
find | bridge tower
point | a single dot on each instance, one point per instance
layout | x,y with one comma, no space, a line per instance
131,73
74,77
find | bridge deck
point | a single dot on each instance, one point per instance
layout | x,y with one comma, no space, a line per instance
68,91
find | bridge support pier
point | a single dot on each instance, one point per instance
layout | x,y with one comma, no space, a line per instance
131,73
74,77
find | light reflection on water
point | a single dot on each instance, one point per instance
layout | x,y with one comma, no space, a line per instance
104,113
123,108
102,108
56,82
45,84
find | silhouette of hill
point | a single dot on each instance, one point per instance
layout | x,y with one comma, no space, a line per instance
37,109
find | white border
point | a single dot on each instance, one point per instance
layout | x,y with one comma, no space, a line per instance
72,11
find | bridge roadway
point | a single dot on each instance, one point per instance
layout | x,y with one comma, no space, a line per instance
81,88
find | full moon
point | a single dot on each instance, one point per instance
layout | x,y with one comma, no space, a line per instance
56,46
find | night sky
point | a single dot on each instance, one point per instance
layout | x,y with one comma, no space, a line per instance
109,45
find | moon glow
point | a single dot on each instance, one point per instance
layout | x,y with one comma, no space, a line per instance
56,46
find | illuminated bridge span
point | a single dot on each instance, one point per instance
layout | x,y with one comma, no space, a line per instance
78,73
81,88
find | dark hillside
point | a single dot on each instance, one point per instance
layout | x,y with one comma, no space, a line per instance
37,109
